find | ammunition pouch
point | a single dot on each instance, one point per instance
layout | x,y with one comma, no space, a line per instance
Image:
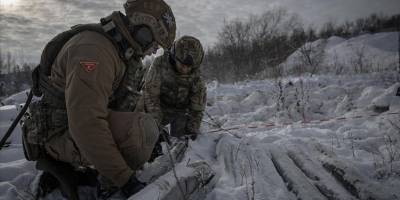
32,132
40,124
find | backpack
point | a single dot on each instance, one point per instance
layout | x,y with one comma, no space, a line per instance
40,80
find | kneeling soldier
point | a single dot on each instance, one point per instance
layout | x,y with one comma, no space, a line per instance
174,91
89,80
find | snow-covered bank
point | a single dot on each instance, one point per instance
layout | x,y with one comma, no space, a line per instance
320,137
364,53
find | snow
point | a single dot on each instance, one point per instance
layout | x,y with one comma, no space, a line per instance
16,98
375,52
360,141
333,41
388,97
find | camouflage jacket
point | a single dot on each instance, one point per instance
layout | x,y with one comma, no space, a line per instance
167,92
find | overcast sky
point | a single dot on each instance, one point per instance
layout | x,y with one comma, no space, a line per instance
27,25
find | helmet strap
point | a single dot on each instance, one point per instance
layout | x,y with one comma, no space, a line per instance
112,25
171,59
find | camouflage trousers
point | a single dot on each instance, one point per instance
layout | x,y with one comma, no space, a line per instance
177,121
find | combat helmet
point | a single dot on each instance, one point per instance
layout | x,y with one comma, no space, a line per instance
155,14
188,50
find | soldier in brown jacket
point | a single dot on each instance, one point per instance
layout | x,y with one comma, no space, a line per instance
174,91
99,75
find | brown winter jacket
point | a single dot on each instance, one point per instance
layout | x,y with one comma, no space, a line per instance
88,69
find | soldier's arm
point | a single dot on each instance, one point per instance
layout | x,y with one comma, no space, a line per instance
197,106
87,92
151,92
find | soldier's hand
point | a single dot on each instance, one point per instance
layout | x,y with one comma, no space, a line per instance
192,134
164,135
132,186
193,137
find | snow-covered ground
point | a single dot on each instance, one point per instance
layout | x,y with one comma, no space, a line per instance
326,137
367,52
320,137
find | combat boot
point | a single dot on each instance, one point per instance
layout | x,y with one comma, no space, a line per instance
47,183
63,173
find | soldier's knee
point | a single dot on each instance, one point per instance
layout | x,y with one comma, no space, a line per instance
137,141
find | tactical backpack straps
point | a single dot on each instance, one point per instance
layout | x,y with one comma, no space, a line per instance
40,75
42,83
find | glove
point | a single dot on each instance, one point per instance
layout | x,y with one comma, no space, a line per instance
157,151
192,134
88,177
164,135
132,186
105,188
193,137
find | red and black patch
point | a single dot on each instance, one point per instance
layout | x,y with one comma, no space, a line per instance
88,65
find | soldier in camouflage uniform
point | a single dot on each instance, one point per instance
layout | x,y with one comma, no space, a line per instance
85,117
174,92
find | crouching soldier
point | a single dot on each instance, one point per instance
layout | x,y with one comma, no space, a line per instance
174,92
89,79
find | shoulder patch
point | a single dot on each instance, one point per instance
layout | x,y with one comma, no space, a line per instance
88,65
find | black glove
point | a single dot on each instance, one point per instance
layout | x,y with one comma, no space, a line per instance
164,135
157,150
105,188
132,186
88,177
192,135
